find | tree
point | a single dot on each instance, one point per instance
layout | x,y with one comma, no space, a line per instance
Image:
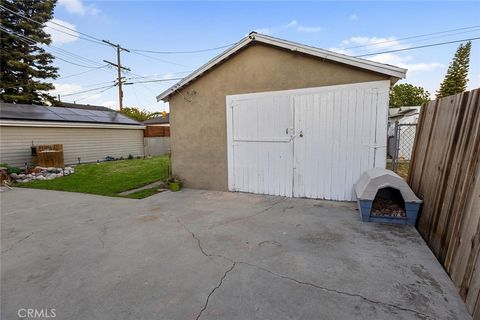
139,115
456,78
406,94
24,64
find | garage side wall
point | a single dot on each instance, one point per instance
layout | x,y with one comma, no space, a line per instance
90,144
198,113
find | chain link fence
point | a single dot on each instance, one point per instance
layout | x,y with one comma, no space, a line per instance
402,146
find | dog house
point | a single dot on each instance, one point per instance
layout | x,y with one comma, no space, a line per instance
383,196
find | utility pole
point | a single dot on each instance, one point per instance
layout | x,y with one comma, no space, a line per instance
119,71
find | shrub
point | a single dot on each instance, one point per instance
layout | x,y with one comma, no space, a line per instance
11,169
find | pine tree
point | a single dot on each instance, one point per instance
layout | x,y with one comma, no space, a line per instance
24,64
456,78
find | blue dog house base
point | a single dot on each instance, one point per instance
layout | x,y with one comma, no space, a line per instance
411,210
377,179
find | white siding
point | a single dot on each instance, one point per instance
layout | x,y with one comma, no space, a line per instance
311,143
90,144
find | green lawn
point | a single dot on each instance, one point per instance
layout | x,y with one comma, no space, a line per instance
109,178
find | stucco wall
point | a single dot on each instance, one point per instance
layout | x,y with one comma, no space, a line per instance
90,144
198,111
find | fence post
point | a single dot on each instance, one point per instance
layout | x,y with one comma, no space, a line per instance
396,146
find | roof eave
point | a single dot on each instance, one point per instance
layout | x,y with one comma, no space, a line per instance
392,71
222,56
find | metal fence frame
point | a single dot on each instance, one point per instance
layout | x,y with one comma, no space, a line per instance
396,138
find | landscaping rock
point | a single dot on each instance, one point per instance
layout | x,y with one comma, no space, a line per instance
41,173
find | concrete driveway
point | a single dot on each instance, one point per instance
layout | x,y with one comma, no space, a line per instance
213,255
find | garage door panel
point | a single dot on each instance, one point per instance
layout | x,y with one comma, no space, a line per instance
311,143
261,145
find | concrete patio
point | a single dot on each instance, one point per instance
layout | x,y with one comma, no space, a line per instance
212,255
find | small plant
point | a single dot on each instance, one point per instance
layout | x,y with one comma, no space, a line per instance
11,169
130,157
174,183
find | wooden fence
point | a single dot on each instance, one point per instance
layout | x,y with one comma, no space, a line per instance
445,173
157,131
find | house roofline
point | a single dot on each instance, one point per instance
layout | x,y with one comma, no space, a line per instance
382,68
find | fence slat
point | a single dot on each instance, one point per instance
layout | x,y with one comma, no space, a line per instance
445,173
156,131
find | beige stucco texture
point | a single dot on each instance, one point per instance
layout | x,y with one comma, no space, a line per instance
198,110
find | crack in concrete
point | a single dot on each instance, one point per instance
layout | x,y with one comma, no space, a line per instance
326,289
102,235
205,306
250,216
14,244
355,295
199,244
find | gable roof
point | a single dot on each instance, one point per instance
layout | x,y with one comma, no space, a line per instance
382,68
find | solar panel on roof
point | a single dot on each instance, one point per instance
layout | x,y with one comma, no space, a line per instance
41,113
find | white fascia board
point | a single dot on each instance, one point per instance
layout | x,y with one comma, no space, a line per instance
51,124
222,56
334,56
296,47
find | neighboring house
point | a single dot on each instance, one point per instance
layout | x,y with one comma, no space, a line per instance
158,121
88,133
404,116
275,117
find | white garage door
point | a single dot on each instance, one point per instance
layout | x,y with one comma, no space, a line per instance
313,142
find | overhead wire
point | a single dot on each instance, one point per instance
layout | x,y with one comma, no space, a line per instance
80,73
96,93
183,52
89,90
418,47
416,36
77,35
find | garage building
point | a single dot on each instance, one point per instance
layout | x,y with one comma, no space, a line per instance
88,133
275,117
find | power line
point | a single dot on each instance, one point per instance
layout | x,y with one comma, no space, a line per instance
160,75
89,90
80,73
57,51
77,35
161,60
416,36
418,47
183,52
89,96
147,81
